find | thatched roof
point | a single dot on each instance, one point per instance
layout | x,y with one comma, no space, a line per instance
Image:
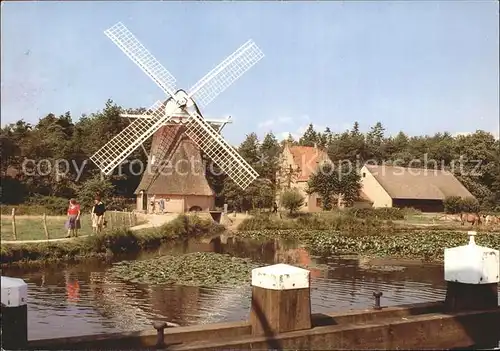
414,183
184,174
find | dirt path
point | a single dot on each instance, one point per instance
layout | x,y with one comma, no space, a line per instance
155,220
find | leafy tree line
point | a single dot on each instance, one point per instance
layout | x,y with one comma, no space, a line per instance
55,138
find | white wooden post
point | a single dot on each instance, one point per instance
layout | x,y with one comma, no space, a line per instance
281,299
472,274
14,314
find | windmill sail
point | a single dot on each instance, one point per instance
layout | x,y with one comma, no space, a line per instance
219,151
199,130
122,145
222,76
132,47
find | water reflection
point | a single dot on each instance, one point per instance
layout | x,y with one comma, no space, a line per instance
67,300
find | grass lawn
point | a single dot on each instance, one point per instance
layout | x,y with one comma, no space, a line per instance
31,227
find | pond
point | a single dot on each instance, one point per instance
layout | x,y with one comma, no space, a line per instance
80,299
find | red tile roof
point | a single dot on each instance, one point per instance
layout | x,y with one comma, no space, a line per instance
307,159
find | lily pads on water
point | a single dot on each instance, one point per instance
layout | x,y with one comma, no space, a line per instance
198,269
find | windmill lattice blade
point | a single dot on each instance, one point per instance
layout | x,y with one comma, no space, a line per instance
222,76
129,44
122,145
219,151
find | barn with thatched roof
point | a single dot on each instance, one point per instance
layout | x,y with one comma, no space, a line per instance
182,182
423,189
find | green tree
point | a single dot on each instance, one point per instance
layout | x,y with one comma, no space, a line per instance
292,200
348,146
342,182
310,137
92,187
375,148
270,152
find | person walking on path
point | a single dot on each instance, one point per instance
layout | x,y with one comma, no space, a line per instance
73,221
97,213
153,204
162,205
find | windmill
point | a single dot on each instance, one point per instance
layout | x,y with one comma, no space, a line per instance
180,107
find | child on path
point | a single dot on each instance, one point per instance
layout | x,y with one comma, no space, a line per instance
97,214
73,221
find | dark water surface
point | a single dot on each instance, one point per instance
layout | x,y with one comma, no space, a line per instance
80,299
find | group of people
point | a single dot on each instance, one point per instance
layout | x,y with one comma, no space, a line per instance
97,215
153,202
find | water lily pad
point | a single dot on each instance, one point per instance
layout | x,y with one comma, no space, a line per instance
198,269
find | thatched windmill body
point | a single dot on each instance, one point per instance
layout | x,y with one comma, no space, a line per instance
180,177
180,132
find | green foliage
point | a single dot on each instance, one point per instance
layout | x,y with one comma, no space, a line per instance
310,137
452,204
12,191
389,213
53,204
470,204
92,187
328,181
292,200
457,204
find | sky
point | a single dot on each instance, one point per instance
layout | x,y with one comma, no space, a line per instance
421,67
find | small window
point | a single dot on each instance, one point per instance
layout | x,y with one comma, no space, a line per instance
364,174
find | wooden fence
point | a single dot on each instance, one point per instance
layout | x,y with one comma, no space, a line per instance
114,220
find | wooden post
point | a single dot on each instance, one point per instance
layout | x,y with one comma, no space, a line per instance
14,314
130,219
45,226
14,231
281,299
124,219
472,276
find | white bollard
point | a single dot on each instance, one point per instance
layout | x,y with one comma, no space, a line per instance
14,313
281,299
472,274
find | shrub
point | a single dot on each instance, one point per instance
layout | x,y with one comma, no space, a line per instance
470,204
292,200
457,204
387,213
452,204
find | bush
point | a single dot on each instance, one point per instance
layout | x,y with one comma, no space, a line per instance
452,204
55,205
292,200
470,204
457,204
388,213
38,205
